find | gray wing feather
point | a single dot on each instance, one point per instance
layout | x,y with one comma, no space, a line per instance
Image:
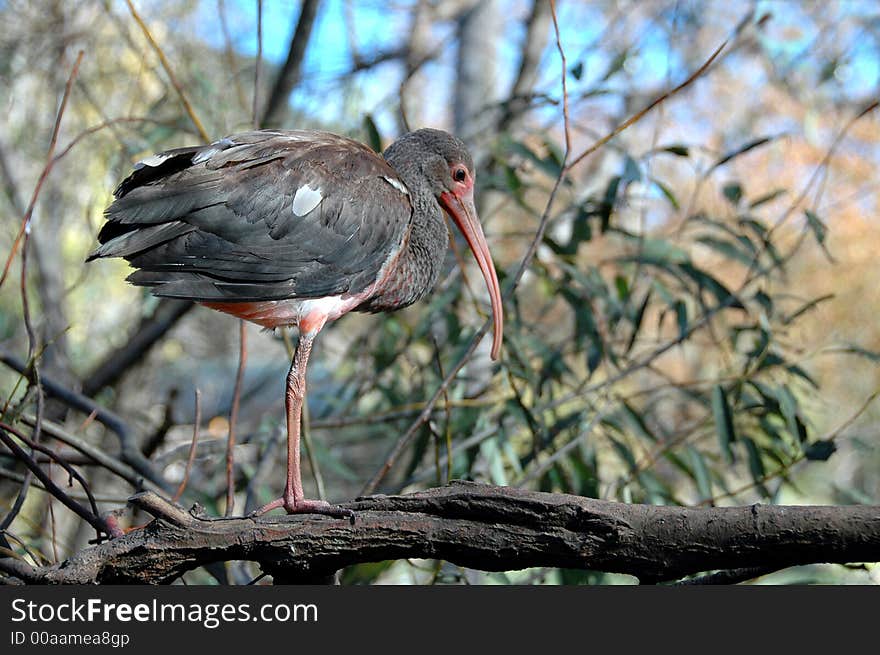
216,223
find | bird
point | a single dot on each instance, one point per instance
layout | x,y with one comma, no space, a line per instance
295,228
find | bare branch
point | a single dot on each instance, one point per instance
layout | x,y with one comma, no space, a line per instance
92,519
170,72
641,113
233,418
482,527
26,219
142,338
129,451
192,447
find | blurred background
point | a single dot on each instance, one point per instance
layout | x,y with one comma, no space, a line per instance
697,326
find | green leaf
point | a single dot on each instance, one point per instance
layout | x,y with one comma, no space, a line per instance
637,322
548,164
514,184
726,248
667,193
733,192
615,65
664,292
631,171
622,287
722,294
794,369
365,573
577,70
595,354
554,154
701,473
676,149
820,230
765,301
658,492
788,406
625,453
681,318
770,430
374,139
661,251
638,422
584,463
585,326
492,454
751,145
756,464
580,230
723,422
820,450
606,207
767,197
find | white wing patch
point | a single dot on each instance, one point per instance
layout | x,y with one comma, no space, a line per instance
152,161
306,199
397,184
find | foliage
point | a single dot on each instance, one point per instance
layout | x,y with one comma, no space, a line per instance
669,343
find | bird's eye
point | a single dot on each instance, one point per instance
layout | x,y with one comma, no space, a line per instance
459,175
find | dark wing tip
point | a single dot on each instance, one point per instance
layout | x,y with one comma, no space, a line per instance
168,162
156,167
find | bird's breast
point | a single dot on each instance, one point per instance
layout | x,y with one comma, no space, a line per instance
308,314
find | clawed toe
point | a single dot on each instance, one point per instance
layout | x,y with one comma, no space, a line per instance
304,506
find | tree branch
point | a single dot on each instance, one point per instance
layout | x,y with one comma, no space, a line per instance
289,74
149,331
482,527
129,451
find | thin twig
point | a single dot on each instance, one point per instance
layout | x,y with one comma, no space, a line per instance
120,499
233,418
231,62
53,456
130,453
834,434
167,66
102,126
23,237
95,521
564,77
50,162
192,447
97,455
640,114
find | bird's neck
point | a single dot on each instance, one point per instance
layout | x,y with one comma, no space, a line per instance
415,271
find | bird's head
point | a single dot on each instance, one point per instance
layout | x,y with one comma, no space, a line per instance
445,164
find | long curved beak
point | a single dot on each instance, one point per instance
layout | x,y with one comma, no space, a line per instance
463,212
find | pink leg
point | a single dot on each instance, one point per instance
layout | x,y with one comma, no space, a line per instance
293,499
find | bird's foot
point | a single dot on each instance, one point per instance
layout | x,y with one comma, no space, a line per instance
305,506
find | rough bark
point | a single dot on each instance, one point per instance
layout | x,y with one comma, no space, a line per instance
482,527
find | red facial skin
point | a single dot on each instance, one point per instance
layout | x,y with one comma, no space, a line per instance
459,204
